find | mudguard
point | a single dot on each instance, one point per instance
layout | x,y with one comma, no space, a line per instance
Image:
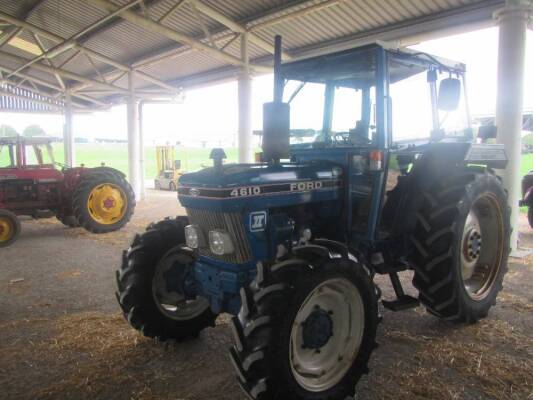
436,161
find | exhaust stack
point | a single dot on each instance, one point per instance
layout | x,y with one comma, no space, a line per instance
276,116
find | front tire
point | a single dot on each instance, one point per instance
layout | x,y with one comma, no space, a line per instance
68,220
154,259
305,332
461,244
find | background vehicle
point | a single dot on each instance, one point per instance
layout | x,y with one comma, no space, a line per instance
527,196
98,199
290,246
169,169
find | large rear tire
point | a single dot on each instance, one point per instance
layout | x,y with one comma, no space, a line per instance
154,259
9,228
530,215
461,245
103,201
305,332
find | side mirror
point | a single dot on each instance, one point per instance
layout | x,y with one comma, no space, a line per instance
486,132
276,131
449,94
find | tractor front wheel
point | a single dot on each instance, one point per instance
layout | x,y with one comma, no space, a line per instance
461,245
103,201
9,228
305,332
68,220
155,285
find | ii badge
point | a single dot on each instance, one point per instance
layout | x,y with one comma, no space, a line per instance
258,221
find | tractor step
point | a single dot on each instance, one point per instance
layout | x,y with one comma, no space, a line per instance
403,301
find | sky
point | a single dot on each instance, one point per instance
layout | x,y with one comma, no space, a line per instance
210,114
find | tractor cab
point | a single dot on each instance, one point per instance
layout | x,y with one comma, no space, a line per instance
372,110
21,152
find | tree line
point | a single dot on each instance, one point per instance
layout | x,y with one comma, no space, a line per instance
29,131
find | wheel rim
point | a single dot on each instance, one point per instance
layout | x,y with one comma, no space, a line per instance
107,203
7,229
172,302
482,246
322,363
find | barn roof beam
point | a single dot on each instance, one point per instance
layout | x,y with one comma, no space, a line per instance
235,26
49,85
75,46
155,27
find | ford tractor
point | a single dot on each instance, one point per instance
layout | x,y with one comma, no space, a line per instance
98,199
369,166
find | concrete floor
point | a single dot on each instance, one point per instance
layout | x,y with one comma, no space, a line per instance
63,337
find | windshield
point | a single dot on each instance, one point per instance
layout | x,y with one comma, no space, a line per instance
330,113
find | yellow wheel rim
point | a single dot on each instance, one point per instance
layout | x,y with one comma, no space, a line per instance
7,230
107,204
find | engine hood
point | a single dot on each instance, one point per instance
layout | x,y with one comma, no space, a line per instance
252,186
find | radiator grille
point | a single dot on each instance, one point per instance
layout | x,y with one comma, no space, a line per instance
231,223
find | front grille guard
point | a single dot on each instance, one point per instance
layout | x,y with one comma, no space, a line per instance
230,222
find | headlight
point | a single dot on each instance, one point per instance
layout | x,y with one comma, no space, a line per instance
193,236
220,243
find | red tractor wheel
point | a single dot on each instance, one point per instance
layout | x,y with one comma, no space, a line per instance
103,201
9,228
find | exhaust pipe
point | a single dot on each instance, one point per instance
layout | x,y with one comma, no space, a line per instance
276,116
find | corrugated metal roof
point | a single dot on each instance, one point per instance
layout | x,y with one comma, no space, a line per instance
331,22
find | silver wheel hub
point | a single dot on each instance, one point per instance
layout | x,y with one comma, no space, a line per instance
169,289
481,246
326,334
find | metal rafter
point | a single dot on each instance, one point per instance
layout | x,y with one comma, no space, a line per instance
235,26
48,61
13,31
49,85
271,17
67,44
155,27
95,55
63,73
35,90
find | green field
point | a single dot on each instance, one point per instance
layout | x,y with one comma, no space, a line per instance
116,156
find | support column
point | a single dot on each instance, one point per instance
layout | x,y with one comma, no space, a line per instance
68,134
133,140
141,152
245,105
513,19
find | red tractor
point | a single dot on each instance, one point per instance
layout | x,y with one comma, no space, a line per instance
98,199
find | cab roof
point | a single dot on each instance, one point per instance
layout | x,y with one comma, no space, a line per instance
357,67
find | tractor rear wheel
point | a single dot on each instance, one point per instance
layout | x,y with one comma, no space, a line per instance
152,285
103,201
68,220
461,245
305,332
530,215
9,228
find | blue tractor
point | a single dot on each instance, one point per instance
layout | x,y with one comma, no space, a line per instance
290,246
